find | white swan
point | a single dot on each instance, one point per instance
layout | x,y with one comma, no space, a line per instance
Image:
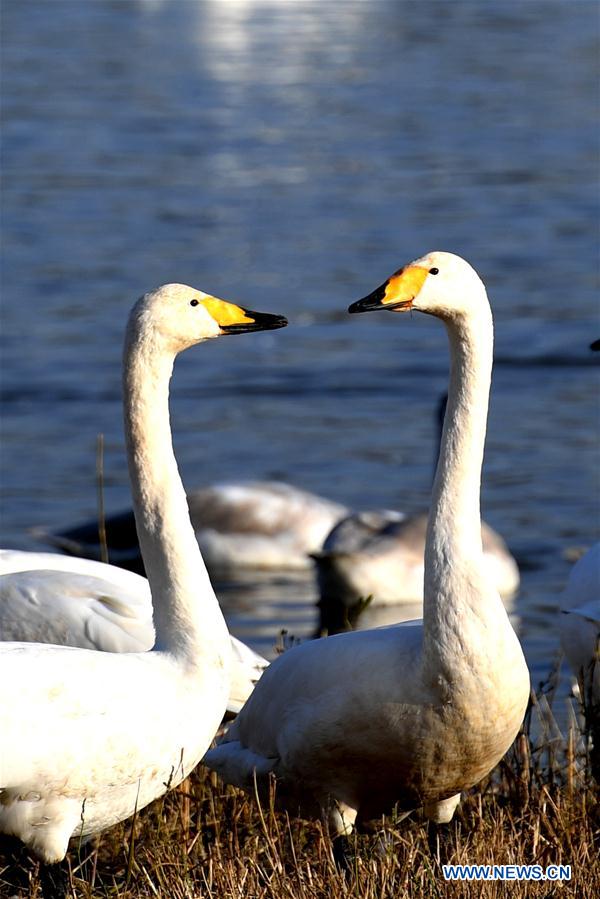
246,524
381,554
47,598
403,714
579,624
86,738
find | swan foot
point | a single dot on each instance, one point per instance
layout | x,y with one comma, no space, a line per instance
55,880
340,820
593,727
343,854
439,815
439,842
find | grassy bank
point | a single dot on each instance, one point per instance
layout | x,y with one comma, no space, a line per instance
205,839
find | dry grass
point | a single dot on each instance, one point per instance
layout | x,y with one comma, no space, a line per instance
207,840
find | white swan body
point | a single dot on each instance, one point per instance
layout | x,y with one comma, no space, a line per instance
579,623
87,737
246,524
49,598
381,554
404,714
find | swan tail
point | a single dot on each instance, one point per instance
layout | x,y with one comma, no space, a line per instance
44,823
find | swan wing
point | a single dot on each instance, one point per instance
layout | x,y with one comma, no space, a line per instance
73,609
579,621
306,716
583,587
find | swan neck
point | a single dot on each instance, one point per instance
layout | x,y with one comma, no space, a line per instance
187,618
453,545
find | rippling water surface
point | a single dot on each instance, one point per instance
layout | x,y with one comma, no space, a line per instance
291,156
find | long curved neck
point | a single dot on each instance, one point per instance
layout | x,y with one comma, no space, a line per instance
187,618
453,552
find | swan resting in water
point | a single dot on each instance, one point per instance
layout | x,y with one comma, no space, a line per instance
87,738
380,554
241,525
48,598
409,714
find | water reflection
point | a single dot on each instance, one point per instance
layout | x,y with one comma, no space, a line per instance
258,606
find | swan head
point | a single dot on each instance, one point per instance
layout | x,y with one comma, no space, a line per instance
439,283
184,316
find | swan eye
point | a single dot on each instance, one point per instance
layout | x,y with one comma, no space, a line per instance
194,302
433,271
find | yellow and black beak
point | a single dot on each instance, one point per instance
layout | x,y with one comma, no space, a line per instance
234,319
255,321
397,293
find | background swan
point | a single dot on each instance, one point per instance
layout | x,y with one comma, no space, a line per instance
380,554
579,625
120,728
246,524
48,598
410,714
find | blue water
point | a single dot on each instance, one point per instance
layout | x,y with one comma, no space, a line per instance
290,156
